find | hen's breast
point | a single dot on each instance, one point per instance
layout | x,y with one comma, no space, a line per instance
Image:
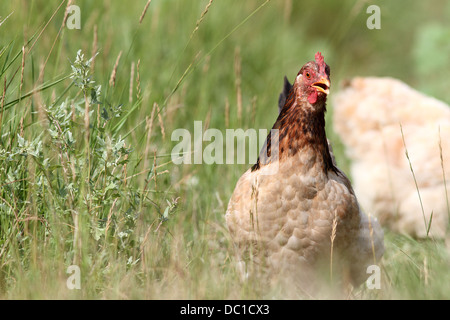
291,213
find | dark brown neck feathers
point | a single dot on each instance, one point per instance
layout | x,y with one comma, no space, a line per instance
300,126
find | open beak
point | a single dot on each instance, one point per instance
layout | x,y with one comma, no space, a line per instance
323,85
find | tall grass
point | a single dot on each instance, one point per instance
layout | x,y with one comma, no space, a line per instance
85,170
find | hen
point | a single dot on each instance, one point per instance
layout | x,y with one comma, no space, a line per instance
367,116
294,212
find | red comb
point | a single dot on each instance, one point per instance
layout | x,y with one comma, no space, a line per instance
321,62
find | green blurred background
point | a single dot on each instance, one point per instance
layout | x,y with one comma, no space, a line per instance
412,45
237,58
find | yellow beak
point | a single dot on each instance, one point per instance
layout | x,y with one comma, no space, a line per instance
323,85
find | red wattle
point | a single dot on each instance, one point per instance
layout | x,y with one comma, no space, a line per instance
312,98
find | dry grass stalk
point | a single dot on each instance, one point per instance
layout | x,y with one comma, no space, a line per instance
445,180
3,104
237,71
138,81
130,98
161,123
41,75
98,116
202,17
86,121
143,255
40,78
427,226
21,127
371,240
227,113
45,27
108,221
144,11
149,132
254,210
154,170
188,69
23,69
76,238
146,171
2,21
112,80
333,237
148,128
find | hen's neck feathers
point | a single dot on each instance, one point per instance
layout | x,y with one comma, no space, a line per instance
301,125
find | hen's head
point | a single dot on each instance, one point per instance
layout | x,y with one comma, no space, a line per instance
313,80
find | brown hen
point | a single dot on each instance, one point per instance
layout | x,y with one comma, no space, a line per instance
294,212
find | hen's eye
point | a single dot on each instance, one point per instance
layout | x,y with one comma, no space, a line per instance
308,75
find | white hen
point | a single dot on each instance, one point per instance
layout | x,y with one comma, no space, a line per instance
368,116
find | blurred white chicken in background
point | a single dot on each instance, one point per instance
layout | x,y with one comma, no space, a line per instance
367,114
